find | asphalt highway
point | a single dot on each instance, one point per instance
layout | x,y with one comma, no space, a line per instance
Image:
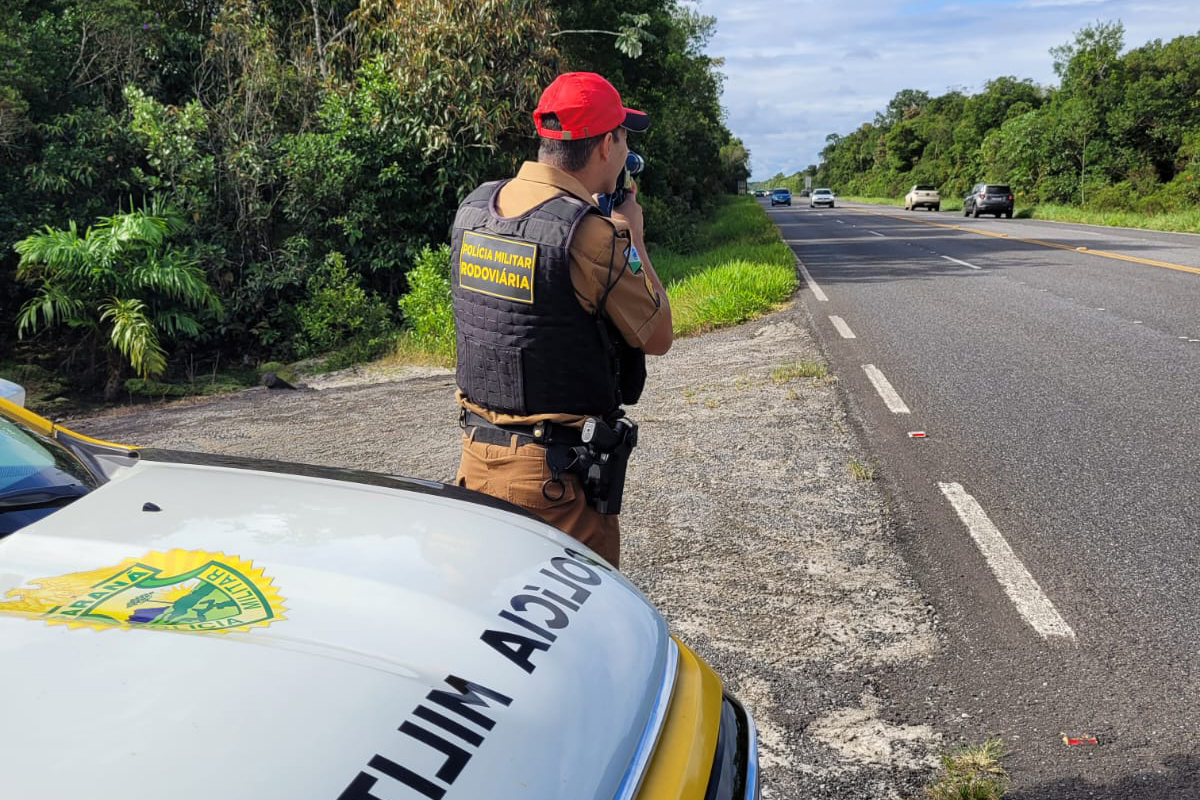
1052,506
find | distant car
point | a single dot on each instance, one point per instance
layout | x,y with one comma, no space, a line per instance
165,612
989,198
760,192
804,192
923,196
781,197
821,197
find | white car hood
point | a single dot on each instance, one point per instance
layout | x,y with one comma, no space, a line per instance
354,609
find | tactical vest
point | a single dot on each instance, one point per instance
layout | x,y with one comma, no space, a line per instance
525,344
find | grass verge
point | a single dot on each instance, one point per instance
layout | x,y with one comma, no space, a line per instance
1175,221
860,470
795,370
971,773
739,270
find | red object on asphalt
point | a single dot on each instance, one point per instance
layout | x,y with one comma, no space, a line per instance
916,434
1076,741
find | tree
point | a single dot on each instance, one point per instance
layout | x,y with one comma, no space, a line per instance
735,163
907,104
1090,60
435,99
629,38
120,283
1092,86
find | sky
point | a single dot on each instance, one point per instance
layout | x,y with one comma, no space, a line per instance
797,70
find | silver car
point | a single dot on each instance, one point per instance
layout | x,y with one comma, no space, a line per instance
821,197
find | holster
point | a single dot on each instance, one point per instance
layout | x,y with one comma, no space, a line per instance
603,457
598,454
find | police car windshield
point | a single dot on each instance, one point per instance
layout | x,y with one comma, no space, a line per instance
35,470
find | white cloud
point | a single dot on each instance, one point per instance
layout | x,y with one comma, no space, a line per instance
798,70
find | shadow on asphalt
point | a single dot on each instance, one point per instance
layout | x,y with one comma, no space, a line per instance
1182,781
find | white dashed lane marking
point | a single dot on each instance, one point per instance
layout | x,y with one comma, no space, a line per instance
1031,602
965,264
890,396
877,233
842,327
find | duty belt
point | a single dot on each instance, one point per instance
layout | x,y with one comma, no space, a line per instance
544,433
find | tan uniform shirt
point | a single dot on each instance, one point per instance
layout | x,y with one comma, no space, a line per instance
599,256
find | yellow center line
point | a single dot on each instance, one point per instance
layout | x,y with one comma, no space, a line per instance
1101,253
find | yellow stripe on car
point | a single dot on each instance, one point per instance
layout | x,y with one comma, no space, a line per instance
39,424
683,758
45,427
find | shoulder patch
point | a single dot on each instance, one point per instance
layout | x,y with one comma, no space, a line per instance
633,259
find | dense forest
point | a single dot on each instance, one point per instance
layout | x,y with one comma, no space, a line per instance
193,187
1119,131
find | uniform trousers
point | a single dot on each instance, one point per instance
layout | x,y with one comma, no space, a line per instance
516,472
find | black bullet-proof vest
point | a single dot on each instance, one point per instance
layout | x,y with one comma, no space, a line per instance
525,344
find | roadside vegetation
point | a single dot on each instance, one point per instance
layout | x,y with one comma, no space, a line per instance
739,269
191,191
860,470
973,772
795,370
1116,142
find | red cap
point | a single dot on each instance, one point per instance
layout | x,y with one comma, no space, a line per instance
586,105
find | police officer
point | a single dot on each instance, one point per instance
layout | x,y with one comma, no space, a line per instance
555,307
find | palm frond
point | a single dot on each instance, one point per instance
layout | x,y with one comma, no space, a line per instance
53,306
59,251
175,322
133,334
133,228
175,275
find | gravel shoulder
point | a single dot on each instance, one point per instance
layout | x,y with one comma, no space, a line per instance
742,524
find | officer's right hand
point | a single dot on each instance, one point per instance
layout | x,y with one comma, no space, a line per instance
630,213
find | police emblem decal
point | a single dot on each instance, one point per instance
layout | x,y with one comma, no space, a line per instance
180,590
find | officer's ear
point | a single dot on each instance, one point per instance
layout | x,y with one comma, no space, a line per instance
607,143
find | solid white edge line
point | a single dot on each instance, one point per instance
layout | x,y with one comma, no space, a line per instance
816,290
890,396
965,264
842,327
1031,602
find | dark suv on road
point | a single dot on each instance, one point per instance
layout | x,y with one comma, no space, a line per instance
989,198
781,197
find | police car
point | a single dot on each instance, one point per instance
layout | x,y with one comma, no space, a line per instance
197,626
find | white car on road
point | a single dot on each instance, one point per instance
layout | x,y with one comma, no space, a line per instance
190,626
821,197
923,195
